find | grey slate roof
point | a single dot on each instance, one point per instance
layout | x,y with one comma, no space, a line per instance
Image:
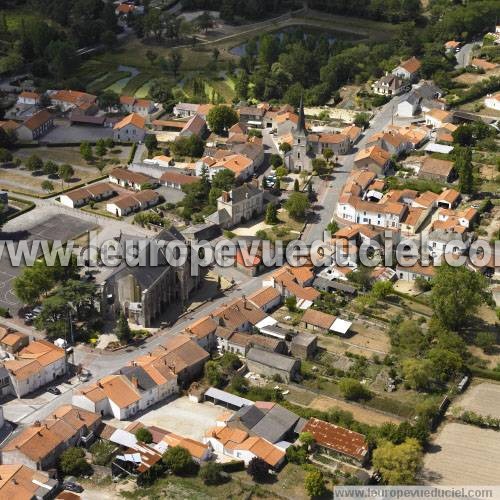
304,339
270,423
144,381
240,193
271,359
220,217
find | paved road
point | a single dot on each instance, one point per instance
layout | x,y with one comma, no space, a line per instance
329,191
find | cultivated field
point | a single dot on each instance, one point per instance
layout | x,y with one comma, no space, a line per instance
483,399
463,455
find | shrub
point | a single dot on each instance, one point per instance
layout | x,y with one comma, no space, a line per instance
178,460
210,473
353,390
144,435
102,452
72,462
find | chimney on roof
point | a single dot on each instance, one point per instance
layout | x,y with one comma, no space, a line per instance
135,382
99,384
37,423
226,197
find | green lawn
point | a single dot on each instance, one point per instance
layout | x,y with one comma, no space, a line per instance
108,81
136,83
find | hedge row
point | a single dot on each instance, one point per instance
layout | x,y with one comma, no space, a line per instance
485,373
30,206
132,153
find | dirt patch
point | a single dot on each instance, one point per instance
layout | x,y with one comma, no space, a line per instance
471,78
483,398
463,455
365,415
365,340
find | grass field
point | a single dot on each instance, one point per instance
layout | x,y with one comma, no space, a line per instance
482,398
108,81
137,83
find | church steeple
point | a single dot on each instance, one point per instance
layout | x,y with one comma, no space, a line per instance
301,126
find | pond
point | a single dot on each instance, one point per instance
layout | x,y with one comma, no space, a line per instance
331,35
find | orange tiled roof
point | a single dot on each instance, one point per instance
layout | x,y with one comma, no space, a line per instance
132,119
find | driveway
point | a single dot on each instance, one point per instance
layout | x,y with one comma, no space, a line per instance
464,56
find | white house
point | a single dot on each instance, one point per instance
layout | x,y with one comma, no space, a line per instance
408,70
82,196
143,107
35,365
493,101
131,129
409,106
123,395
127,203
438,117
237,444
130,179
28,98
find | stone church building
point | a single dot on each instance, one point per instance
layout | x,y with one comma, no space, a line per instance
143,293
299,158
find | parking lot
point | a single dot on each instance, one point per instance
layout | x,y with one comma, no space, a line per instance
64,132
58,227
184,417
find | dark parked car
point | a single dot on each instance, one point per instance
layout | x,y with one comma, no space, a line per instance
54,390
74,487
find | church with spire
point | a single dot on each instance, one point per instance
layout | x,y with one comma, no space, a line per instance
299,159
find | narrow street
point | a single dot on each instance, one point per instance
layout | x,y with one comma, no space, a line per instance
329,191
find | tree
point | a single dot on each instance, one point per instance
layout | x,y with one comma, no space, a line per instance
296,186
5,155
285,147
160,91
332,227
297,205
291,303
464,168
47,186
108,99
398,464
144,435
241,86
213,374
281,172
50,168
33,282
66,172
210,473
314,483
457,294
205,21
223,180
486,341
100,148
175,60
34,163
258,469
319,166
151,143
72,462
307,439
178,460
275,160
417,374
271,214
215,54
221,117
362,120
122,329
353,390
86,151
327,154
381,289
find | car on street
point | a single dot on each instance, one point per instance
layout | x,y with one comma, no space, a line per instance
54,390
